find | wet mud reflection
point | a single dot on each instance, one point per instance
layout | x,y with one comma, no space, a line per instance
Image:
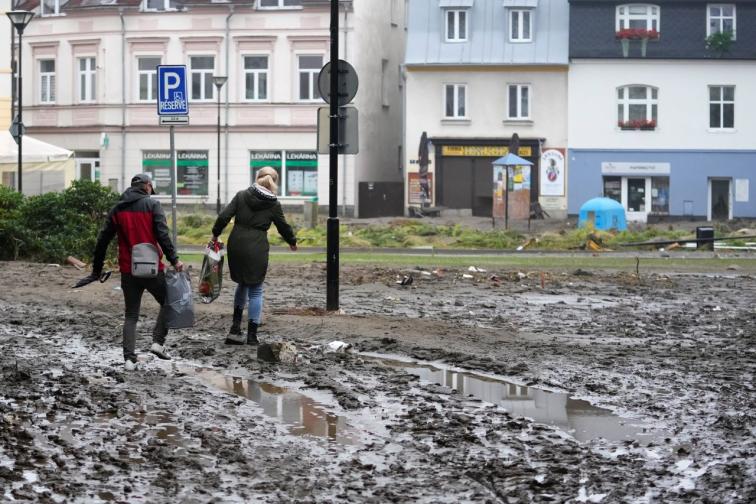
302,414
579,418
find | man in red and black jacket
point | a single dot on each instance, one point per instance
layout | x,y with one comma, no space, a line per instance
137,219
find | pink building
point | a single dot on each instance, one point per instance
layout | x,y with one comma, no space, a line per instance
90,86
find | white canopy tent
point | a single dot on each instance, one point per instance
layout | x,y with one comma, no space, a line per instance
45,168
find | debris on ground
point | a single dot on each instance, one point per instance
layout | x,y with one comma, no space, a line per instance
279,351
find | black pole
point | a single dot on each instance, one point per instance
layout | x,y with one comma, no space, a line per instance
506,198
20,111
218,204
332,261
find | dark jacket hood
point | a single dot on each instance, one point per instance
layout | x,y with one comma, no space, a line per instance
132,194
259,198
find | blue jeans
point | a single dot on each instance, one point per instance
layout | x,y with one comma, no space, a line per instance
252,294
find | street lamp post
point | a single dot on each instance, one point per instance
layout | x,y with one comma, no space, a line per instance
219,81
19,19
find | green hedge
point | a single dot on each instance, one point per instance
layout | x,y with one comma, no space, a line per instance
52,226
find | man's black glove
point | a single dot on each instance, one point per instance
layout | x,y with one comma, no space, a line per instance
102,277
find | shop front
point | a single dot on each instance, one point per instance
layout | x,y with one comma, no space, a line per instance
641,188
462,175
661,185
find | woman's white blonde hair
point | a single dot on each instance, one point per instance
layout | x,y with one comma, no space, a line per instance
268,178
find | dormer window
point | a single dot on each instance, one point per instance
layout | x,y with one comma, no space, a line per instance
637,17
51,7
159,5
456,19
520,15
720,18
520,25
456,25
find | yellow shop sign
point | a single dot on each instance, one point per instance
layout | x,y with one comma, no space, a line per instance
482,151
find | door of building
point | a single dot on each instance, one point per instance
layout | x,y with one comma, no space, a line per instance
720,199
636,198
87,169
456,183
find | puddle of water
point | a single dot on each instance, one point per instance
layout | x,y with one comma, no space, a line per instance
577,417
300,413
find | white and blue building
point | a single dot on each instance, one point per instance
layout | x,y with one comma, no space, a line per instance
662,107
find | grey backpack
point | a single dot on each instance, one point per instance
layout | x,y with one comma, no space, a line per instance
145,260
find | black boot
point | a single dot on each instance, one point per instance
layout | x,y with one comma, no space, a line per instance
252,333
234,334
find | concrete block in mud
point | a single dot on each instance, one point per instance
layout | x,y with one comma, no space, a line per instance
282,351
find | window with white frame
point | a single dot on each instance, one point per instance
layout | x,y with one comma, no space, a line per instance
278,4
455,101
520,25
87,79
456,25
147,71
51,7
637,16
256,78
720,18
159,5
637,106
518,102
202,69
309,67
47,81
721,107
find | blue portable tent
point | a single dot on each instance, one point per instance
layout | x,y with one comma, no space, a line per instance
602,214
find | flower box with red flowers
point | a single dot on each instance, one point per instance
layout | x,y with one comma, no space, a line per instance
637,34
637,124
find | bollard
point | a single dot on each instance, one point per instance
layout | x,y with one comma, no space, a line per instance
311,213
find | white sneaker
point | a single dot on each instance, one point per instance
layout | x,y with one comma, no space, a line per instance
130,365
159,351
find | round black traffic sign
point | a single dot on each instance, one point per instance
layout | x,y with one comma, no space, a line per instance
348,82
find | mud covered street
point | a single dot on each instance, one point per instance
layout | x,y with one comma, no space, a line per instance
505,385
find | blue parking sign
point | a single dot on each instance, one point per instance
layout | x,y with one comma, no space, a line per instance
172,97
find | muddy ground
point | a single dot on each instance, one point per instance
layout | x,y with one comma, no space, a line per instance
669,359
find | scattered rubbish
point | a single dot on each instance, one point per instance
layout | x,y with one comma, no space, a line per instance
467,276
674,246
425,273
733,267
79,265
439,272
582,272
543,280
527,244
476,270
521,275
696,241
277,352
339,347
494,278
717,308
406,280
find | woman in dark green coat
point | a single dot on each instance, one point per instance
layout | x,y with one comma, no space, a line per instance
253,210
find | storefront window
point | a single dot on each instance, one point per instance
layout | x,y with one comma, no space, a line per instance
297,170
191,167
660,195
261,159
301,173
613,188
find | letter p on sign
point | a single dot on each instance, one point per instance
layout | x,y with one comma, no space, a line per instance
171,81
